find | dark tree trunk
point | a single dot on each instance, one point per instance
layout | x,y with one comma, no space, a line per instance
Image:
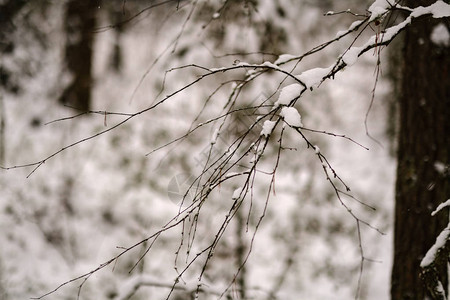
80,24
423,155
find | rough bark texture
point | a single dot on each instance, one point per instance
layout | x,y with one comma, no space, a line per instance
423,151
80,24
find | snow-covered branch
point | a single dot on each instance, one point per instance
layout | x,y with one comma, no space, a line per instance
437,257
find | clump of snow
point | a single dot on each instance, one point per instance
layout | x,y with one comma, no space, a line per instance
441,206
283,58
289,93
351,56
313,77
378,8
439,9
291,116
269,64
350,28
268,127
317,149
216,15
242,64
440,35
439,244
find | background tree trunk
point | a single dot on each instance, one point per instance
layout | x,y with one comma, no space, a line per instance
80,24
423,155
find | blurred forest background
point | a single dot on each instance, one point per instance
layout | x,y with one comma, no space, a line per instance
60,59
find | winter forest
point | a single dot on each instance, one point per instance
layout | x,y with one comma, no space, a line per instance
224,149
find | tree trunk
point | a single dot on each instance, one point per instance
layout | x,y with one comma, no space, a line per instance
423,155
80,24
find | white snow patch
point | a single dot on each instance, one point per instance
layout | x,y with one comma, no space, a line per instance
313,77
377,12
438,9
284,58
269,64
440,243
317,149
350,28
216,69
441,206
243,63
351,56
355,24
440,167
440,35
289,93
379,6
268,127
291,116
341,33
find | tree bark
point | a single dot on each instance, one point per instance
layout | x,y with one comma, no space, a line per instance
423,155
80,24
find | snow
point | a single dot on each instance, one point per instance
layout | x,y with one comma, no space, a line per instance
438,9
440,167
377,12
313,77
350,28
268,127
440,35
271,65
441,206
351,56
289,93
283,58
291,116
440,243
317,149
237,193
379,6
215,136
119,196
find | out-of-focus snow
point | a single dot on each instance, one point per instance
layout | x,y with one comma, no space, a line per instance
440,35
236,194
